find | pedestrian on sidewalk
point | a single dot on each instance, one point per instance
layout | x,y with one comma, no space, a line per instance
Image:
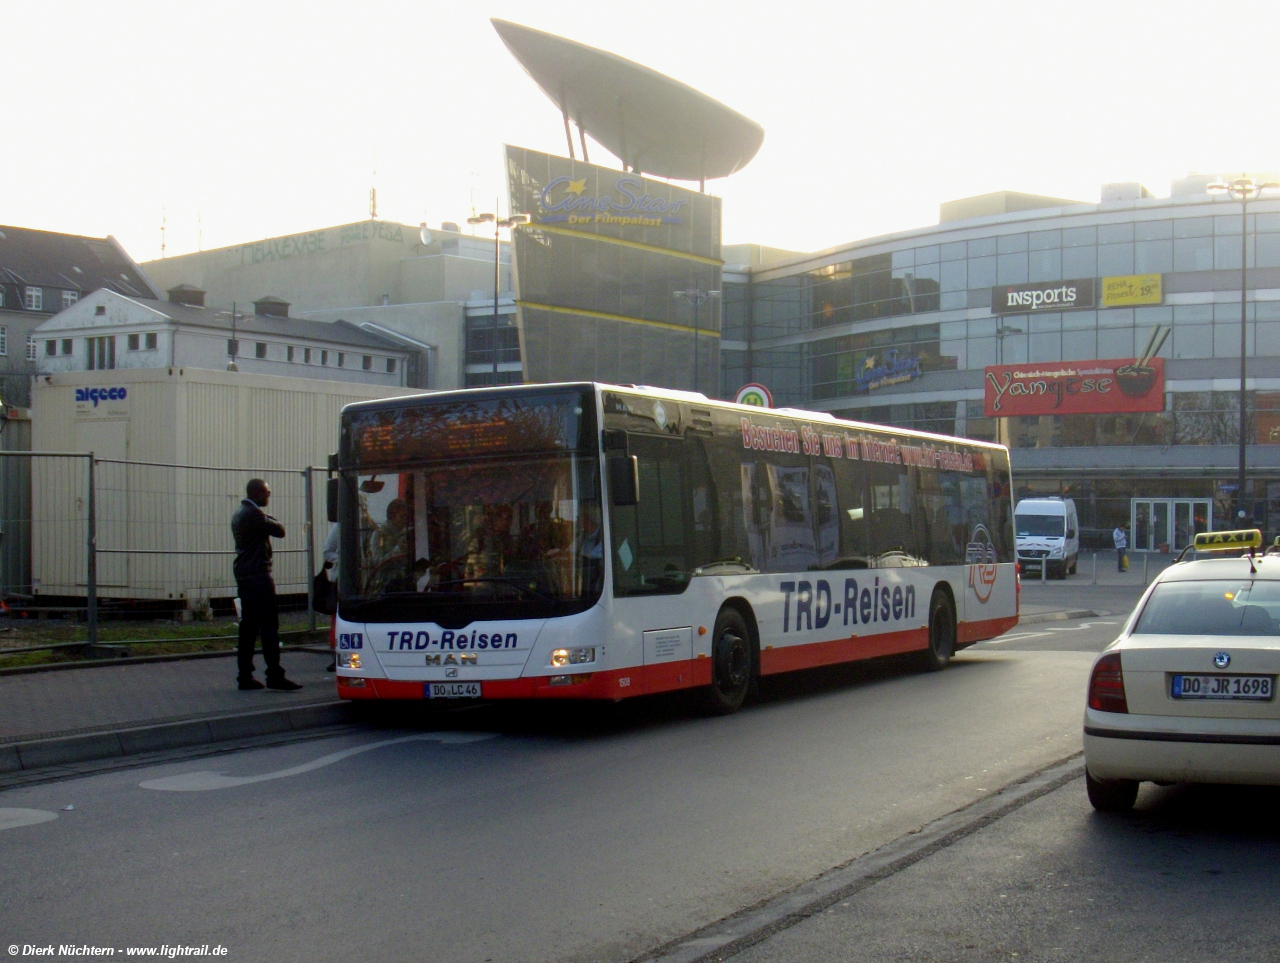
1122,544
331,553
253,530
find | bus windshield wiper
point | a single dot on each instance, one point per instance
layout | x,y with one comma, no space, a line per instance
500,580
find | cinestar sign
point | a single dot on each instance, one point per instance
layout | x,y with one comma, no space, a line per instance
1042,296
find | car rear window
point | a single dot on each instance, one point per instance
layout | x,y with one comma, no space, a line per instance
1217,607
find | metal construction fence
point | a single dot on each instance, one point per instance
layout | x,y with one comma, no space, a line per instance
85,534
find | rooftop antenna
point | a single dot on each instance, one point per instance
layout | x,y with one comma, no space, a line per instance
162,228
373,189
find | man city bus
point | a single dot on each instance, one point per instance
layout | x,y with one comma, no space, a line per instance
597,541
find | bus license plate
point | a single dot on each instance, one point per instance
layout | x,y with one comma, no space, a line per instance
451,690
1252,688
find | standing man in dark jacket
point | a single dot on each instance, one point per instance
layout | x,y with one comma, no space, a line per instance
253,530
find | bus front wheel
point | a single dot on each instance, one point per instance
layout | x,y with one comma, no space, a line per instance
942,632
732,664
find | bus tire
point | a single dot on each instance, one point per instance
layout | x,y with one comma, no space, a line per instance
942,632
733,664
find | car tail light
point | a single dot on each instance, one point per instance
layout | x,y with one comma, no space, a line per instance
1106,685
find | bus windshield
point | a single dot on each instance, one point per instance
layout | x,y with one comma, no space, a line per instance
512,533
525,530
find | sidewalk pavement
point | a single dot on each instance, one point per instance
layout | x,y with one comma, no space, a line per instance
103,711
108,711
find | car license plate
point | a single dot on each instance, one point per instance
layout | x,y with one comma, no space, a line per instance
1252,688
451,690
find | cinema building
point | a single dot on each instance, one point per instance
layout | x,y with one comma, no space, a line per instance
1100,342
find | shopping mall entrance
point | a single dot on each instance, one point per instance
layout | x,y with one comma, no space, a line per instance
1168,524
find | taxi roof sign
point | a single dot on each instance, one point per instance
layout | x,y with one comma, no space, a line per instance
1226,541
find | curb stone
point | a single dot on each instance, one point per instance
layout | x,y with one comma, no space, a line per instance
1060,616
137,740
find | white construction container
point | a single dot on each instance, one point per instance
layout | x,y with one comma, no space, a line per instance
175,447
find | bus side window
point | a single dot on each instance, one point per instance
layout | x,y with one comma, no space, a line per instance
890,533
650,542
943,529
704,494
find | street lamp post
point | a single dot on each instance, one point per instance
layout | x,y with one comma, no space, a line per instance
1244,190
695,297
498,225
1003,331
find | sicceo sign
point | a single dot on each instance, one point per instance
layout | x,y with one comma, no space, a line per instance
1042,296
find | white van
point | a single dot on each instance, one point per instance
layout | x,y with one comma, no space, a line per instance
1047,533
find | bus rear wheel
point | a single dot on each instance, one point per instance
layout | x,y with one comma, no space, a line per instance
942,632
732,664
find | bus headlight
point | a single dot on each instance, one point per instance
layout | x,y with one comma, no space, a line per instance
576,656
349,660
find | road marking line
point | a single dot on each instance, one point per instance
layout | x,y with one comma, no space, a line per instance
1076,628
13,818
203,781
1017,636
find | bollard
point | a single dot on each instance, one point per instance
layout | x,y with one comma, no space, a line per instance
1095,568
1044,569
1146,557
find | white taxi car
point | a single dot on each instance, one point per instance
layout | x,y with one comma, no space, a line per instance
1187,693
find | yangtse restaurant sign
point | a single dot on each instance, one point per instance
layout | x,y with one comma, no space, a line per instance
1074,387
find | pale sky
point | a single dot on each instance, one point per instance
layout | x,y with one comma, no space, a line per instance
262,119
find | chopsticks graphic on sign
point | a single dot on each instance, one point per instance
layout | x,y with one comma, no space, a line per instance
1159,334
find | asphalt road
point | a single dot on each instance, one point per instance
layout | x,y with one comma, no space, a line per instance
1188,877
533,833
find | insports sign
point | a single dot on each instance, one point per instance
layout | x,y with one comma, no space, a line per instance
1042,296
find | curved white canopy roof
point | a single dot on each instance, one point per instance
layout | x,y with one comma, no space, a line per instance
653,123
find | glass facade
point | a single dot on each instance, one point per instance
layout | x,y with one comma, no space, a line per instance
952,282
902,333
617,275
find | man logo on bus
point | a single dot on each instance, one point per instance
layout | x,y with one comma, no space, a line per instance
980,556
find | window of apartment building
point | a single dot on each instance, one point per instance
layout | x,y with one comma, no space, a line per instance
69,298
4,340
233,347
34,299
99,310
324,357
306,356
50,348
1,297
134,342
152,340
289,353
31,347
102,353
391,366
341,359
260,350
368,362
66,345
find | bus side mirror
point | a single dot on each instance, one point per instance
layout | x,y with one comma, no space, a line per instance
331,499
624,479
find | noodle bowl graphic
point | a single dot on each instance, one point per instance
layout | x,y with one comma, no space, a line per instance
980,556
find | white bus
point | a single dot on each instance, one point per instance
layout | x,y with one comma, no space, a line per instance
595,541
